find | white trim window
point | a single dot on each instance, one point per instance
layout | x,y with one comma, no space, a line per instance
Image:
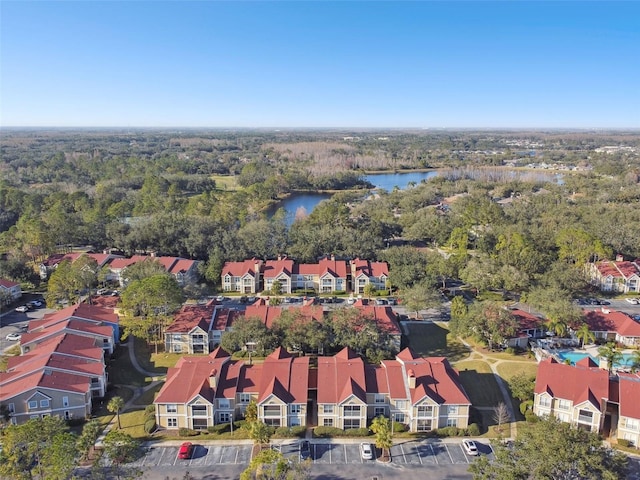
33,404
172,408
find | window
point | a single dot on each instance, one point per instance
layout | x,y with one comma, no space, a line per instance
563,404
401,404
44,403
398,417
172,422
377,411
12,408
105,341
327,409
327,422
245,397
200,423
452,409
67,415
172,408
199,410
424,425
425,411
272,421
33,404
295,409
630,423
294,421
271,410
452,422
177,348
351,423
224,417
545,401
585,416
379,398
65,401
351,411
223,403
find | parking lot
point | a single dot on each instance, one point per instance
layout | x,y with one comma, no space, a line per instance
426,452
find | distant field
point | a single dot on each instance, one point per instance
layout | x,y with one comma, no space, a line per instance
225,182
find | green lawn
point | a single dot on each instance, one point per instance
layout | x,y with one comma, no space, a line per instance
148,396
479,383
121,371
434,340
508,369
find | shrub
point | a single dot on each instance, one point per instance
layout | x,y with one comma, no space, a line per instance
150,425
76,422
450,432
399,427
511,351
288,432
150,410
473,430
357,432
187,432
324,432
220,428
531,417
624,443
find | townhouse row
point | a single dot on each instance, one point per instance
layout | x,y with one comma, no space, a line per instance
198,328
588,397
620,276
342,391
184,270
327,276
61,369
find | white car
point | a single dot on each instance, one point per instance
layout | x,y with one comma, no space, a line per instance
366,452
22,309
12,337
470,447
632,301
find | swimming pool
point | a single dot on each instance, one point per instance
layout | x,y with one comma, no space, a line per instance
625,362
574,357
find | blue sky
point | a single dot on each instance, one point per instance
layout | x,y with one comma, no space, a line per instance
320,64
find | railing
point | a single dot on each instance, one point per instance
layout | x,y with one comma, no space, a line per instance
199,413
350,413
585,419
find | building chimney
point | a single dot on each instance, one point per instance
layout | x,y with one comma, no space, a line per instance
619,258
213,379
333,257
411,379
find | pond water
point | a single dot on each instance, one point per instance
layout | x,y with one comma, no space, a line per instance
389,181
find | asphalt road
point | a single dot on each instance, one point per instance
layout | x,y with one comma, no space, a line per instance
11,321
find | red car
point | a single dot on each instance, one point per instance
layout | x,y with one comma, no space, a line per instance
186,450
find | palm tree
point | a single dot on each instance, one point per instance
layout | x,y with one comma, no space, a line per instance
635,361
611,354
381,427
585,335
557,326
115,405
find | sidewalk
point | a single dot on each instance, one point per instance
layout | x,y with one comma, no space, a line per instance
138,391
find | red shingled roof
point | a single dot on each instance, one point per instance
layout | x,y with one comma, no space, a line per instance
224,318
575,383
65,326
629,395
341,376
526,320
384,317
240,269
614,321
617,269
370,269
190,377
7,283
192,316
284,376
12,384
273,268
435,378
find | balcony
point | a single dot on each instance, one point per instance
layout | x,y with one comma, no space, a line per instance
585,419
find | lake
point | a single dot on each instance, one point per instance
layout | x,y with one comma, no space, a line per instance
386,181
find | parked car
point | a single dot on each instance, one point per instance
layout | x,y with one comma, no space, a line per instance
305,449
366,452
12,337
22,309
470,447
381,301
220,298
34,304
632,301
186,450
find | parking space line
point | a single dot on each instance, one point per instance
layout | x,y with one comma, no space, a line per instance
403,455
237,452
345,453
464,453
448,453
330,456
221,455
315,453
435,457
